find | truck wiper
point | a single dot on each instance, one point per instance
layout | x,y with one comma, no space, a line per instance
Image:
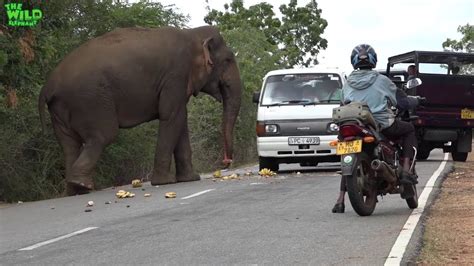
275,104
329,101
287,102
297,101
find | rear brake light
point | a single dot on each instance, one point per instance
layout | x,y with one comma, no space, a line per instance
350,131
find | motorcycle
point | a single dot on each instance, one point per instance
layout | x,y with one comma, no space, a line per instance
370,162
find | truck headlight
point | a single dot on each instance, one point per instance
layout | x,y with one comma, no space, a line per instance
333,127
271,128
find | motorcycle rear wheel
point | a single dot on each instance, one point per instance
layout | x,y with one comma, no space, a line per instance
362,192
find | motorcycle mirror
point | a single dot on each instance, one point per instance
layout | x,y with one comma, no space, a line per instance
412,83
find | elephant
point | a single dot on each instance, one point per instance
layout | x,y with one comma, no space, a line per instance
130,76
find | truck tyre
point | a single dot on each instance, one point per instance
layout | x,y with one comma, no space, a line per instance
459,156
423,153
269,163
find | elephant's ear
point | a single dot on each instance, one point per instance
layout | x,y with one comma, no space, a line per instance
207,55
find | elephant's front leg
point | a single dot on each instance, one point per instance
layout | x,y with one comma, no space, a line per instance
183,158
170,130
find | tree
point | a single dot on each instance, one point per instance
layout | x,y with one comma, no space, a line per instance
297,33
465,44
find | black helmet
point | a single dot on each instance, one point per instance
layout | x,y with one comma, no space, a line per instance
363,56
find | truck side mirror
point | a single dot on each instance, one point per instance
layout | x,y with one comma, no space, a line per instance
256,97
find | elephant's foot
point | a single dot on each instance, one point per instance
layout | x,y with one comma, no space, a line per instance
79,186
163,179
187,178
73,189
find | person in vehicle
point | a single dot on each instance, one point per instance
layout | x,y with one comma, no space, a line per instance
328,90
366,85
411,72
455,70
309,94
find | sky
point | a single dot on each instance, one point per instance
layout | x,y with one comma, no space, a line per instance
391,27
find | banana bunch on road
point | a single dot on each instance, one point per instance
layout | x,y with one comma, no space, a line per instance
265,172
136,183
121,194
170,195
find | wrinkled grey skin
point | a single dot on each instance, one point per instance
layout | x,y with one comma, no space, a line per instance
133,75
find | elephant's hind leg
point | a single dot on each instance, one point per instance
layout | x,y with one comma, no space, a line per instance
83,167
71,144
183,158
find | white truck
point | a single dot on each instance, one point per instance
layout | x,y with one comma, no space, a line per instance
294,119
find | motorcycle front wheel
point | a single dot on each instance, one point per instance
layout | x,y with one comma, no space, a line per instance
362,192
413,201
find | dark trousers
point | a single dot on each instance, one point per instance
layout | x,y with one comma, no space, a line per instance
406,132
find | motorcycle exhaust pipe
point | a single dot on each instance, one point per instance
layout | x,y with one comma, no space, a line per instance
384,170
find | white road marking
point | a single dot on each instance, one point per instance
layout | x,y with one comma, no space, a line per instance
58,238
197,194
399,248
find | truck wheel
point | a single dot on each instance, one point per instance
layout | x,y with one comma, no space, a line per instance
459,156
269,163
423,152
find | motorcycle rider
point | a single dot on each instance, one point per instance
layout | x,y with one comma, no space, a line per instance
376,90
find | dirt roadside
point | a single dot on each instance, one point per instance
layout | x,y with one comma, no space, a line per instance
449,229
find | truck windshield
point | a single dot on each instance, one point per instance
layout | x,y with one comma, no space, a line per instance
302,89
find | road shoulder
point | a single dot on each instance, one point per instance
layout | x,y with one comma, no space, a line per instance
448,236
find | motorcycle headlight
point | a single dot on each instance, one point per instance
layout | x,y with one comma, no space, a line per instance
333,127
271,128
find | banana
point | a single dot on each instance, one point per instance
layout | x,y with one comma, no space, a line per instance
136,183
170,195
266,172
217,174
121,194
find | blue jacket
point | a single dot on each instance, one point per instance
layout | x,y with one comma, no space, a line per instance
374,89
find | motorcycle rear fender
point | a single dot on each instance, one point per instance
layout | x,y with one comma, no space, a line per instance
348,162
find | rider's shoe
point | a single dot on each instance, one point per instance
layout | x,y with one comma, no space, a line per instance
408,179
338,208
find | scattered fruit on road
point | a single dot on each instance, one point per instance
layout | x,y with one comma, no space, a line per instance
136,183
265,172
170,195
217,174
124,194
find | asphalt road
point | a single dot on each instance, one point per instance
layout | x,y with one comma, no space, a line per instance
285,219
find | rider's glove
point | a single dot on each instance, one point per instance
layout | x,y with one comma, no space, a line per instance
422,100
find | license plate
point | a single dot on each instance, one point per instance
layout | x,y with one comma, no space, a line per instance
467,114
303,141
346,147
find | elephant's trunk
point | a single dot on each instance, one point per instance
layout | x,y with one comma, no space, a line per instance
232,93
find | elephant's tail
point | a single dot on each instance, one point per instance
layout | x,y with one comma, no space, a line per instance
41,108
